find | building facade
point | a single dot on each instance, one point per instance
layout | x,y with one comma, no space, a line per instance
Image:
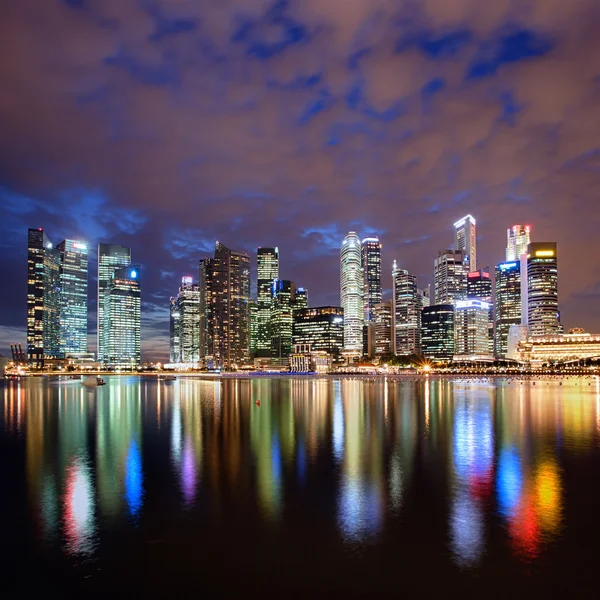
479,287
352,292
267,260
437,332
322,328
122,319
471,338
206,288
542,289
517,240
282,319
406,313
465,240
371,266
382,329
507,303
563,348
185,323
450,271
110,258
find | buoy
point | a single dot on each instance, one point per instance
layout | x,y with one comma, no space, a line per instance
258,403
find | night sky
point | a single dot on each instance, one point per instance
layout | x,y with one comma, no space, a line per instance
165,125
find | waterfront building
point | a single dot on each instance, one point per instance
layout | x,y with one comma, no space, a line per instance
282,319
507,303
465,240
301,298
267,260
406,314
572,347
371,266
322,328
110,258
122,319
206,287
479,287
185,323
450,270
517,240
542,289
351,293
382,329
471,337
304,360
73,309
437,332
424,296
253,327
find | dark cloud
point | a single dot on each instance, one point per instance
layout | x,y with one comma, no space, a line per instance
167,125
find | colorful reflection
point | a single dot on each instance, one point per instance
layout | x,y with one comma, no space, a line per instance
78,507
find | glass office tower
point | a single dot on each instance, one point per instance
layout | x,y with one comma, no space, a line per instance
465,240
437,332
507,302
517,240
322,328
542,289
371,266
267,260
351,292
406,313
185,323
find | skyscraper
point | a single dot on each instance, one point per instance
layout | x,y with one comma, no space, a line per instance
507,302
406,313
479,287
122,319
382,328
322,328
43,298
471,335
542,289
517,240
268,270
465,240
185,323
371,266
206,288
301,298
230,307
450,270
73,296
351,292
282,319
110,258
437,332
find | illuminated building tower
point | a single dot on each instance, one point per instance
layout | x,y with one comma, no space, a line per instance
206,311
507,302
185,323
351,293
450,270
301,299
371,266
517,240
282,319
268,270
43,298
253,327
542,289
437,332
479,287
406,313
73,297
122,319
382,328
230,307
465,240
424,296
110,258
322,328
471,337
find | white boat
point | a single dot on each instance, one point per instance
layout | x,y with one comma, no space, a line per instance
93,381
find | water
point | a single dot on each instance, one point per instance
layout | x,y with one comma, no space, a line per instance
481,487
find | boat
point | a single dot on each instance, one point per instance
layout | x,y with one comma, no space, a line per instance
93,381
167,378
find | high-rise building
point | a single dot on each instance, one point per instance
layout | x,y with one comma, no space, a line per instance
465,240
268,270
73,297
301,298
230,307
110,258
471,336
542,289
424,296
185,323
253,327
507,303
517,240
206,288
122,319
382,328
322,328
371,266
282,319
351,292
450,270
406,313
43,298
437,332
479,287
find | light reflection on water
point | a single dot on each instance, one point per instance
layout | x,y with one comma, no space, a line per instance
491,453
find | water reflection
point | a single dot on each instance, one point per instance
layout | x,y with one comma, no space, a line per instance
366,455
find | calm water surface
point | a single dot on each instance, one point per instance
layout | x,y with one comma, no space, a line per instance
332,486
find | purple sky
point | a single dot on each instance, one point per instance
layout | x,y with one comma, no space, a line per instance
166,125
